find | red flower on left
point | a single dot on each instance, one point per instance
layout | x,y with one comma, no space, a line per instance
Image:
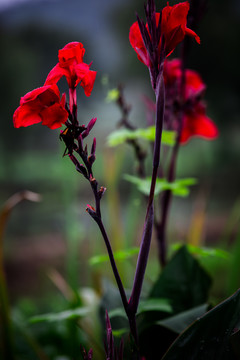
44,104
71,66
41,105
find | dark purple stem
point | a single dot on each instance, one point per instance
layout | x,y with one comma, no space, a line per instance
161,226
113,263
147,233
131,317
166,200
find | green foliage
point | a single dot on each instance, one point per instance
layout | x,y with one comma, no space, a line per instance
185,285
112,95
179,322
120,136
178,187
162,305
60,316
183,281
234,276
212,335
118,255
204,251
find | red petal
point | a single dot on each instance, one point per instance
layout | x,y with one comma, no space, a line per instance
88,82
198,125
81,70
72,53
192,34
172,71
54,116
173,38
55,74
173,16
25,116
137,43
194,84
174,21
63,100
37,102
34,94
86,77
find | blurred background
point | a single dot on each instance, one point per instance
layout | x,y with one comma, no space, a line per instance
57,233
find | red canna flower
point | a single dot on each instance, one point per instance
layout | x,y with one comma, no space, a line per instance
196,123
41,105
72,67
173,28
191,105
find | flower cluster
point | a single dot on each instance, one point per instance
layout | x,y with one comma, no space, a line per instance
186,112
44,104
71,66
170,30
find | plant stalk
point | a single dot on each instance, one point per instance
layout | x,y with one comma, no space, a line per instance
147,233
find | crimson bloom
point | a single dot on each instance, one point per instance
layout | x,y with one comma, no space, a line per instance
173,29
195,122
41,105
71,66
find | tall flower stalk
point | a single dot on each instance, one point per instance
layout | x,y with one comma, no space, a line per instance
152,43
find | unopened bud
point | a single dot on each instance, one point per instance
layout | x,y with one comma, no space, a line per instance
91,159
101,191
93,149
92,180
90,209
80,142
89,127
79,167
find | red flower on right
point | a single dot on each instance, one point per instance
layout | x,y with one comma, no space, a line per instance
173,27
191,104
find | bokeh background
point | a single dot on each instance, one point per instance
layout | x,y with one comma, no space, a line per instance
57,233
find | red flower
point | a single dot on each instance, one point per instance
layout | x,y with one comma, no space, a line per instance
72,67
173,28
195,121
41,105
173,74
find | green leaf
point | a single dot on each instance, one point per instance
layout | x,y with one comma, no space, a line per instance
234,273
118,312
178,187
209,337
112,95
162,305
120,332
179,322
122,135
64,315
204,251
183,281
118,255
